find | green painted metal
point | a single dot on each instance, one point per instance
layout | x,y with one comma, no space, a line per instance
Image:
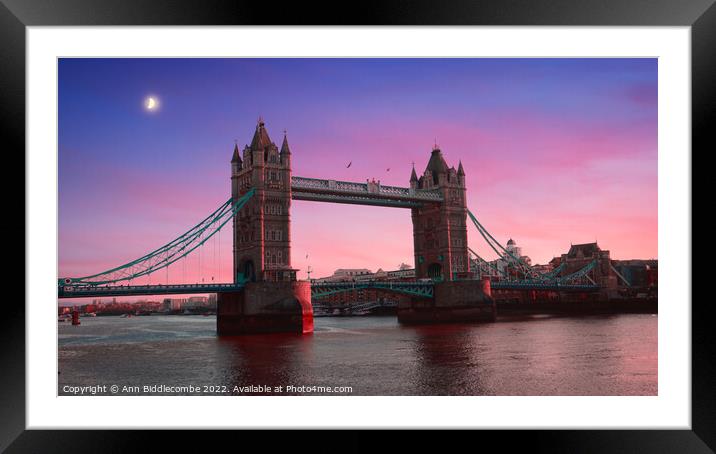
418,289
489,239
171,252
555,272
579,273
532,278
499,271
134,290
628,284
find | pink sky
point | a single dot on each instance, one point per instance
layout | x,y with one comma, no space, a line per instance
553,153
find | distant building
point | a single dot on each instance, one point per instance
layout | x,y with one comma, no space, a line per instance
403,272
195,302
345,275
379,275
640,274
351,273
364,274
581,255
542,269
172,304
555,262
509,263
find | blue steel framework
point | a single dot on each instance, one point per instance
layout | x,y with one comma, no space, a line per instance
166,255
419,289
111,282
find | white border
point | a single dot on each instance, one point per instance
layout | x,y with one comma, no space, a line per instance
671,409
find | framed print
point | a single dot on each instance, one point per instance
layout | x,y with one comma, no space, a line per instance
404,218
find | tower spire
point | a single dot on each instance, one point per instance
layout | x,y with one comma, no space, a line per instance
261,138
284,146
236,157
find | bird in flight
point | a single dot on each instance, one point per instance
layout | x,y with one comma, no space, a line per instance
349,164
388,169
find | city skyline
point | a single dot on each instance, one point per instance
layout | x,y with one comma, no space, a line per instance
556,151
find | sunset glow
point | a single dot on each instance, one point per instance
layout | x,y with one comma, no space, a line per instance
555,151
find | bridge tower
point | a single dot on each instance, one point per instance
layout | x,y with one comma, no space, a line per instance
272,300
440,231
262,230
441,253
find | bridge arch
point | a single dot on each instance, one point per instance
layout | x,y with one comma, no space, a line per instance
422,289
435,271
247,269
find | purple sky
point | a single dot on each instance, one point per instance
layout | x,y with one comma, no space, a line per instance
555,151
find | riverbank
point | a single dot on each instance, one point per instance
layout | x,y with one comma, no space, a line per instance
626,306
621,306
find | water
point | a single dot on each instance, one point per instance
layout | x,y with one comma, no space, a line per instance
370,355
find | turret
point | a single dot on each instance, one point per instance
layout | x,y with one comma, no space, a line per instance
461,174
413,179
437,169
261,139
260,144
285,153
236,160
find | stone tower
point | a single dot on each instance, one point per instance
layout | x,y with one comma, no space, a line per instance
262,229
440,230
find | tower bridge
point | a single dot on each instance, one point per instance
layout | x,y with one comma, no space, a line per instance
265,295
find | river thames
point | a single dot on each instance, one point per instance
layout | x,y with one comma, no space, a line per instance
367,355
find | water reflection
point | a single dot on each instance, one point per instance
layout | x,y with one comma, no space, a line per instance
447,364
271,360
610,355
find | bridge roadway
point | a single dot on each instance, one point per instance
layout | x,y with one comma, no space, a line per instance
318,190
131,290
422,289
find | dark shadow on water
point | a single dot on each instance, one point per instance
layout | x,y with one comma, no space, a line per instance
265,359
446,362
509,318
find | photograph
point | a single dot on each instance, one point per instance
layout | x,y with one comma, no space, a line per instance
334,226
433,219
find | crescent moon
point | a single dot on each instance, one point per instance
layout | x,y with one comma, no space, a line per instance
151,103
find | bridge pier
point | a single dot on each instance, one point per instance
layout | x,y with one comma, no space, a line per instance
265,307
453,302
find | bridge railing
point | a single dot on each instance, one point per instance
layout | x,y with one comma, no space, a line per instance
348,187
74,291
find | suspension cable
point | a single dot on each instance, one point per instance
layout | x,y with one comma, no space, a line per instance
525,268
169,253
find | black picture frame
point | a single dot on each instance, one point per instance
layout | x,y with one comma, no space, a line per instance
16,15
